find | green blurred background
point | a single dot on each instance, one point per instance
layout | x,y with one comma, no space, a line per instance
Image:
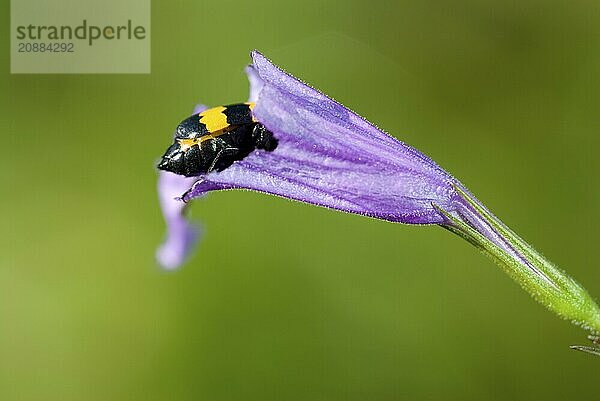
503,94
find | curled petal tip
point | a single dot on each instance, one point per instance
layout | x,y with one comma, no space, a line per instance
181,234
174,251
256,83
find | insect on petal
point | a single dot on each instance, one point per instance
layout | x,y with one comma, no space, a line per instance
329,156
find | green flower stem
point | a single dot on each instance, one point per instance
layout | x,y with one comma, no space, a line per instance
549,285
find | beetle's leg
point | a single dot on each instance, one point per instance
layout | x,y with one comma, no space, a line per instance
223,152
263,138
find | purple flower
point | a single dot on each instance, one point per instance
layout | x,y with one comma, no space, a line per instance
329,156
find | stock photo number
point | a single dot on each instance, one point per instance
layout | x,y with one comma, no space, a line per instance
35,47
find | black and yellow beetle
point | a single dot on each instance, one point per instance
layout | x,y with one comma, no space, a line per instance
214,139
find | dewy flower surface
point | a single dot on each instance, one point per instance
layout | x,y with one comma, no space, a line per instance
329,156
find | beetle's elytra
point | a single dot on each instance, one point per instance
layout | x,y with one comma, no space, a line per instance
214,139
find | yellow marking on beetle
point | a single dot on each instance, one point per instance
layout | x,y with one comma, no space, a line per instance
214,119
210,136
187,143
251,107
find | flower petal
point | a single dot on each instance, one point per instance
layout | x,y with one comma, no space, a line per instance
256,83
181,235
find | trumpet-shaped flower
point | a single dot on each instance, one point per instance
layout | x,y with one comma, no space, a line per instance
329,156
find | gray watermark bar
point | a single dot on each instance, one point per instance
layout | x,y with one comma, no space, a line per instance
80,36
